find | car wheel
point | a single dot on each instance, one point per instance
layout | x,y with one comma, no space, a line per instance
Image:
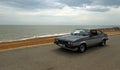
81,48
103,43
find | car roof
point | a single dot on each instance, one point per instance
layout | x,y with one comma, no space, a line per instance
87,30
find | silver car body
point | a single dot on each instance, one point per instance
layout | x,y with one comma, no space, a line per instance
72,41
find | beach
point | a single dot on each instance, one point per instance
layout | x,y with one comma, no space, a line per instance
41,41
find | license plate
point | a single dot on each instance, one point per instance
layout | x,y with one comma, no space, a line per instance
62,45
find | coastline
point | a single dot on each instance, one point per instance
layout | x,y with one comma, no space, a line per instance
41,41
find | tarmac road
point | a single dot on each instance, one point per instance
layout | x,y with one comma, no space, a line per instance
51,57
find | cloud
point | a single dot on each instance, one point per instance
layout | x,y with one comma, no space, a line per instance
91,2
32,4
107,2
59,4
59,12
96,8
103,4
76,2
66,11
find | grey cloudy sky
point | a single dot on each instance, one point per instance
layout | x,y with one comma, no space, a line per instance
60,12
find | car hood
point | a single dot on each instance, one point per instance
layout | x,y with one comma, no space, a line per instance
71,37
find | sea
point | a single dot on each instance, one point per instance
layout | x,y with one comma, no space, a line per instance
22,32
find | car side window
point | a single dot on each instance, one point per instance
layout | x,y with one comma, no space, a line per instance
99,32
93,32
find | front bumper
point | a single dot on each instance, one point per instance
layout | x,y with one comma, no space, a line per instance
68,47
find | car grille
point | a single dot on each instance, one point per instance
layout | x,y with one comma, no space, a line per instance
62,42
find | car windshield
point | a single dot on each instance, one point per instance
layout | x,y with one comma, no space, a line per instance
79,32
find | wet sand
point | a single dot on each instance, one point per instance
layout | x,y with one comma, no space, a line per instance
40,41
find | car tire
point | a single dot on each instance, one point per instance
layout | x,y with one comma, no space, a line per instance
81,48
103,43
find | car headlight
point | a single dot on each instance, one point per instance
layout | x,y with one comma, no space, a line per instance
56,40
70,43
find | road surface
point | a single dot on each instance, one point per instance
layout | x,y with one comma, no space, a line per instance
51,57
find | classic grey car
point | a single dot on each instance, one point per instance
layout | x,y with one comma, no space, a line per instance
80,39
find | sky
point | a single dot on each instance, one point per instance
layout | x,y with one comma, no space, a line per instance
59,12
